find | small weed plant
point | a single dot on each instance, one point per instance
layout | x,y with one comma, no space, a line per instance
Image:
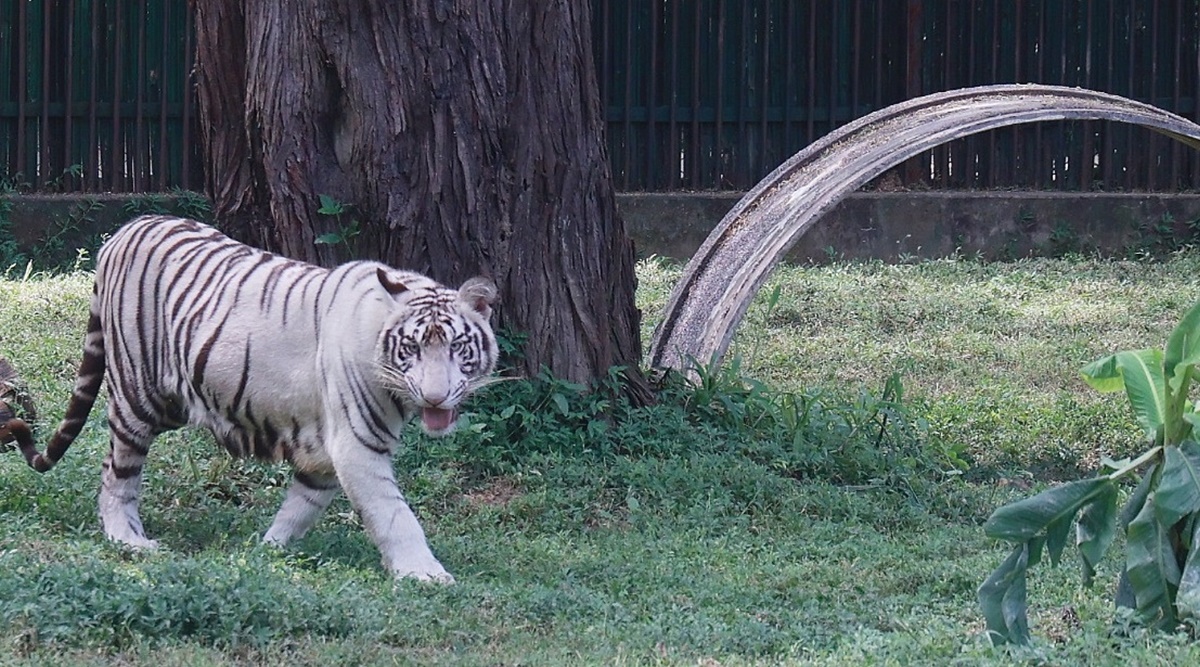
348,227
1161,519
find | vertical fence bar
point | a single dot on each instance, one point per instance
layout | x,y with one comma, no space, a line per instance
22,75
674,160
788,70
43,166
942,153
719,102
810,110
163,153
1106,159
855,57
766,160
1151,146
116,158
1041,152
91,168
1130,91
1017,159
140,161
877,103
188,56
834,25
1089,153
694,165
1195,183
1063,147
1176,92
913,85
651,178
993,158
741,162
626,158
68,155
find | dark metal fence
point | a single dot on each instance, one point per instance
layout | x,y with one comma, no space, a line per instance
95,95
699,94
715,93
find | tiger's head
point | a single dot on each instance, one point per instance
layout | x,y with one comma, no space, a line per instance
437,346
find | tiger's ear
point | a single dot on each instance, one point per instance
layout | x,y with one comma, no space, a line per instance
479,294
389,283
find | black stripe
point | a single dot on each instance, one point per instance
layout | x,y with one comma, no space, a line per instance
125,472
245,379
315,481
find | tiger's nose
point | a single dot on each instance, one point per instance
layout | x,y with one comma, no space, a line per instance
434,400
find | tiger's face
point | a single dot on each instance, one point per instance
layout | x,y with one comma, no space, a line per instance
439,345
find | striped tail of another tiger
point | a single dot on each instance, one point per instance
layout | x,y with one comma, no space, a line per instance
83,397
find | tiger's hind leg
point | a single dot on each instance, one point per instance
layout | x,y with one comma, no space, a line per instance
121,477
306,499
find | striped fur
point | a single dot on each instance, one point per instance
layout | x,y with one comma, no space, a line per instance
280,360
15,407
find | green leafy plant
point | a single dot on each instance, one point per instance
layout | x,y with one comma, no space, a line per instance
1161,519
192,204
149,203
347,230
178,201
10,253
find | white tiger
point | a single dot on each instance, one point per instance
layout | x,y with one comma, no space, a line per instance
280,360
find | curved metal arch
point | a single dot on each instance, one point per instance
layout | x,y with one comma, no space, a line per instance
735,260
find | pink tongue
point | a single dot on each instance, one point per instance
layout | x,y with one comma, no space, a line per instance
437,419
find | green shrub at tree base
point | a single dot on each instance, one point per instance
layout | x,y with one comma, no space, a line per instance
862,439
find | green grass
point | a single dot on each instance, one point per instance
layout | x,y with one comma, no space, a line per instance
707,530
992,350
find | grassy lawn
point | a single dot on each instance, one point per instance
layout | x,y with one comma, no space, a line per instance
699,531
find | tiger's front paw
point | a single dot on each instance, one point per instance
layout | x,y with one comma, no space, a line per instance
426,571
135,542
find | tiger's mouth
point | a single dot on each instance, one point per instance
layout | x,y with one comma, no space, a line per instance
438,421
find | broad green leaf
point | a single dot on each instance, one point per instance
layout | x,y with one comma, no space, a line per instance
1057,532
1152,568
1124,596
1187,599
561,402
1033,554
330,206
1183,346
1144,385
1192,418
1178,491
1095,530
1137,500
328,239
1003,599
1141,374
1103,374
1024,519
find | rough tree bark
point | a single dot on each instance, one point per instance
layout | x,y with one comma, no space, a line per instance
465,134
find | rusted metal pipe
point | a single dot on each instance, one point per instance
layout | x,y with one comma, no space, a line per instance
723,276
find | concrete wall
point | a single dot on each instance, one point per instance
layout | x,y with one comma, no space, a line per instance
50,228
899,225
883,225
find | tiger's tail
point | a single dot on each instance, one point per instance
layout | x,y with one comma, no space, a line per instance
83,397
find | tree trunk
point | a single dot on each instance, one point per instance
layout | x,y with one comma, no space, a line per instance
465,135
